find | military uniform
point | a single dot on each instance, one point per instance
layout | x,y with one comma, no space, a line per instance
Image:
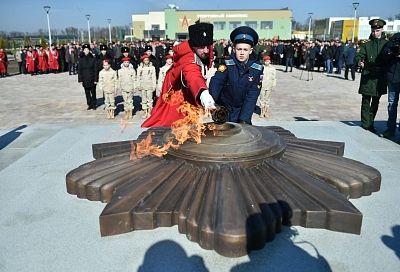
127,84
108,85
146,77
236,85
268,85
373,81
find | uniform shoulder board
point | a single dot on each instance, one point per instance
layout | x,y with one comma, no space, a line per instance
229,62
221,68
257,66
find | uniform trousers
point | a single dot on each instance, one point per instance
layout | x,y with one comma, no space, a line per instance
109,100
369,108
265,96
147,99
128,100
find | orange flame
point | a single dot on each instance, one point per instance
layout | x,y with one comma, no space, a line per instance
190,127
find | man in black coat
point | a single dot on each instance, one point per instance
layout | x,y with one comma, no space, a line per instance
289,53
88,75
391,55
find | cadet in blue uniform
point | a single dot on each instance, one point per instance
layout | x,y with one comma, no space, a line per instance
236,84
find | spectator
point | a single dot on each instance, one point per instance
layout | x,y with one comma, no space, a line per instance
391,55
349,57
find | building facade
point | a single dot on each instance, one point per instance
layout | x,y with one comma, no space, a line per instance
173,23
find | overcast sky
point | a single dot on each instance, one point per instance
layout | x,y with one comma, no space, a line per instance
28,15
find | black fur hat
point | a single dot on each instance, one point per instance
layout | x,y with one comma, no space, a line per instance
201,34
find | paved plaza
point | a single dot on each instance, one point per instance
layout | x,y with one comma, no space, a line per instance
46,131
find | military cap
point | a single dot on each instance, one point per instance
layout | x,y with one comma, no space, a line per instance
244,34
124,49
377,23
201,34
86,46
103,47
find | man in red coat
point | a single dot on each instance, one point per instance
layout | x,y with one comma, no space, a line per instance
186,80
53,59
3,63
31,61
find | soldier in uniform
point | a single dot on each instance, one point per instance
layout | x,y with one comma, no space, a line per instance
108,85
268,85
146,77
236,84
127,85
373,81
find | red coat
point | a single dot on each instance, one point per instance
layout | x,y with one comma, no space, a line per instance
3,62
183,82
31,61
53,59
42,61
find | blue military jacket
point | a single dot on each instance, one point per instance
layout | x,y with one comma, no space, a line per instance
236,86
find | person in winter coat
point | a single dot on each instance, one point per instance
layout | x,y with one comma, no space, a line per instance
108,85
185,81
391,56
268,85
373,77
236,85
71,58
146,77
349,57
127,85
88,75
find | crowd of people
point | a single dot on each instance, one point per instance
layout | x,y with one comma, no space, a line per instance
143,66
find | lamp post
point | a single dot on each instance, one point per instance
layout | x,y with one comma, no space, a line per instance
355,6
88,26
47,9
309,24
109,30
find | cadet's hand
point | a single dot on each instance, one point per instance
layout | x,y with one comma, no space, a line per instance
207,100
361,64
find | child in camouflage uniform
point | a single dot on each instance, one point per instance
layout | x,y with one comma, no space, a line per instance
127,85
146,77
108,85
267,86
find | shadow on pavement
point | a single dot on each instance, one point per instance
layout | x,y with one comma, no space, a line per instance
10,136
380,127
283,254
393,242
168,256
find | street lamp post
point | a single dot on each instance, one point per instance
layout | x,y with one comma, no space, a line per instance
109,30
47,9
355,6
309,24
88,26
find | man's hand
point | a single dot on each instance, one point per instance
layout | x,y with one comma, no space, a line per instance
207,100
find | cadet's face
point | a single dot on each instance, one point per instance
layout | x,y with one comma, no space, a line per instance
126,63
106,66
242,51
377,33
169,61
202,52
146,61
